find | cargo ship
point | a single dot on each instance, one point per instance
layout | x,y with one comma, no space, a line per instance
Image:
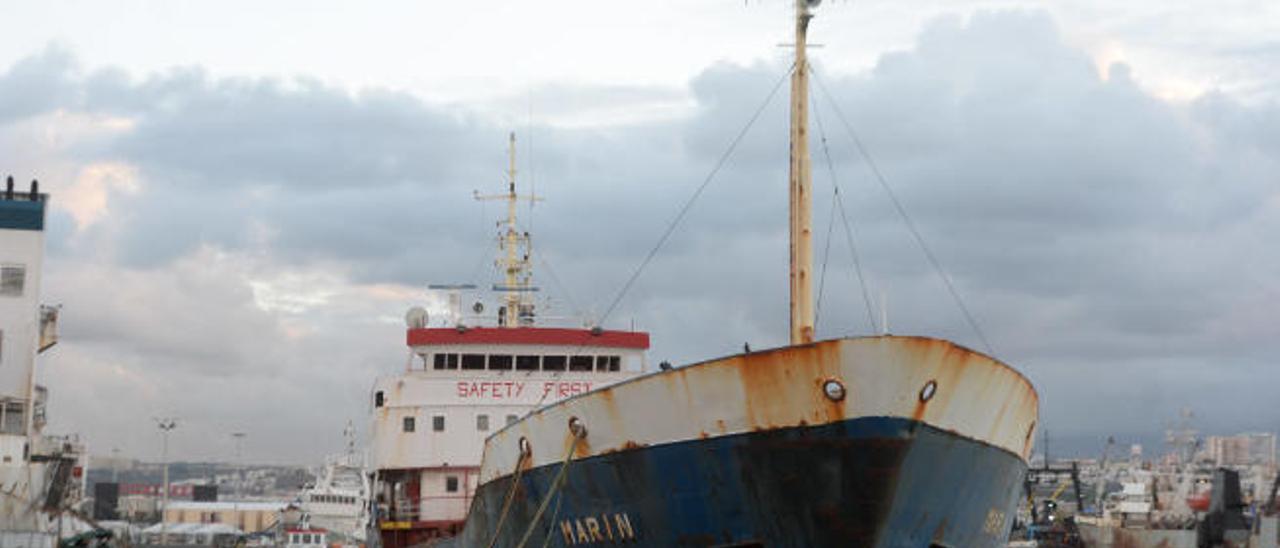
866,441
472,372
871,441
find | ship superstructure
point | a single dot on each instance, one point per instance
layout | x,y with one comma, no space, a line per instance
41,476
470,375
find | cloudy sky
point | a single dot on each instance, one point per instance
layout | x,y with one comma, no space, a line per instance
247,195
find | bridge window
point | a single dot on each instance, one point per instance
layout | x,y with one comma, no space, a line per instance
511,419
437,423
500,362
451,484
527,363
482,423
553,363
445,361
473,361
608,363
409,425
378,399
580,363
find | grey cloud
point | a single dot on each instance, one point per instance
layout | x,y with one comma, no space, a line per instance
38,84
1114,245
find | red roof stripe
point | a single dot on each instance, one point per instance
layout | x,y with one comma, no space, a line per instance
543,336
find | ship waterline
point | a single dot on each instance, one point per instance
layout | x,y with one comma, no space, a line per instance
781,448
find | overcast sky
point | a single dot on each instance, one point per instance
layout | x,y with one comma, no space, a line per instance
247,196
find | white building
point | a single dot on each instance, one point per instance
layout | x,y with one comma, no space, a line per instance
42,475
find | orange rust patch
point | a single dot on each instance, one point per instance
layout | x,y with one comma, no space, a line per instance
918,413
773,397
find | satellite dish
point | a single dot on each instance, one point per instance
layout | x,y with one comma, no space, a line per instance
416,318
478,307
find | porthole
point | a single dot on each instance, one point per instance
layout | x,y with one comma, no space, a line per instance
930,388
833,389
576,428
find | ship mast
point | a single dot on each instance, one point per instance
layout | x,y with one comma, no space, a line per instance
801,186
515,247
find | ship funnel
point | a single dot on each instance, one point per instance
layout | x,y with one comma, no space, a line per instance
8,188
35,190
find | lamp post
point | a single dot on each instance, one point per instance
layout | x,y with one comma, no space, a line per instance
238,466
166,425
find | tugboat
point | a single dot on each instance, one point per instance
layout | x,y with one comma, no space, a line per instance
873,441
41,476
471,375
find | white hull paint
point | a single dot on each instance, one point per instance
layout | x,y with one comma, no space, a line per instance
974,396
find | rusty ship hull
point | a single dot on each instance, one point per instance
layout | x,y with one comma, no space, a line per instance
924,444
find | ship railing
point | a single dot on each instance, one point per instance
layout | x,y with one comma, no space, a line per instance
432,508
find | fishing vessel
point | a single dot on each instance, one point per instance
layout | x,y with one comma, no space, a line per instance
868,441
41,475
472,372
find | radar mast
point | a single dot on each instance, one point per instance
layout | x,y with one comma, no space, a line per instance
514,252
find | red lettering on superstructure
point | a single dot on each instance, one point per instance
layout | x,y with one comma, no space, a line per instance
565,389
493,390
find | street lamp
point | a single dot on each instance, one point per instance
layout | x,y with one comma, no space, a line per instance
239,437
237,465
166,425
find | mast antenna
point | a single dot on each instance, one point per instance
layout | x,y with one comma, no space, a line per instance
801,185
515,249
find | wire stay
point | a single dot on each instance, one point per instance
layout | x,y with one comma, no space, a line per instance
906,219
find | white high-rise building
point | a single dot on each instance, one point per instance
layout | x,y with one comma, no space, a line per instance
42,476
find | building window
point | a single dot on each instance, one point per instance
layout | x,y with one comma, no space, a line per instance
527,363
378,399
511,419
451,484
482,423
409,425
437,423
500,362
473,361
11,280
553,363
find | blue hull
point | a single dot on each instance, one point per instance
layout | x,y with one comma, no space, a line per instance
872,481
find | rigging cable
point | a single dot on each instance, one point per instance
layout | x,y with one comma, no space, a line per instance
822,276
848,230
546,265
671,227
902,212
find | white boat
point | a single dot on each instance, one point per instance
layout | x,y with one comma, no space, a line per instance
338,499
